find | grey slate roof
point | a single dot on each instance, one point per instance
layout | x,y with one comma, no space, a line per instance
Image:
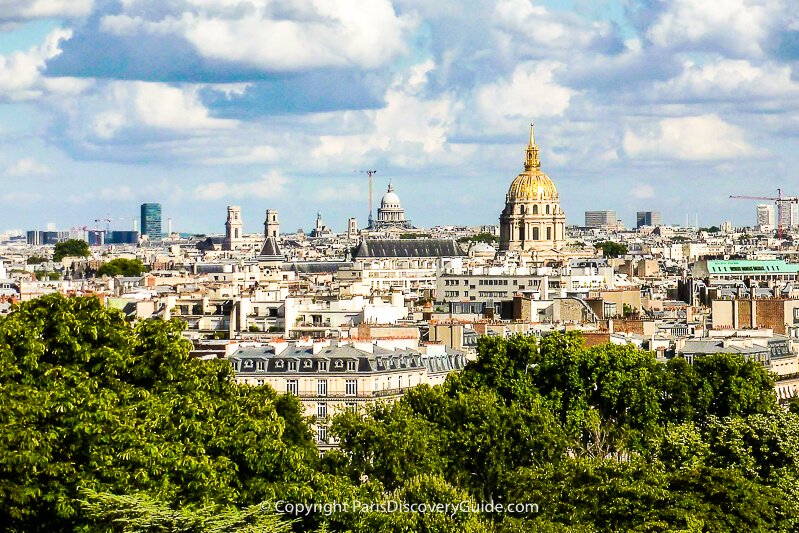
317,267
407,248
270,251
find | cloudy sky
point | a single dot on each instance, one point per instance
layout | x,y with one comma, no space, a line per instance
198,104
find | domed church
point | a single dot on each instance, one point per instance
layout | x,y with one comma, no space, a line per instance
390,214
532,222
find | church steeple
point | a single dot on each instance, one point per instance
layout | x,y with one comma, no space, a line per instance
532,162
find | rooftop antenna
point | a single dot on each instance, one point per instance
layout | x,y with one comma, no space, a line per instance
370,173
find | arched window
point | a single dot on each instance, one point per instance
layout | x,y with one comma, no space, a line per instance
521,233
524,209
547,209
535,209
535,234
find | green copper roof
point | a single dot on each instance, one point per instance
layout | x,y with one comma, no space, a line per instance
751,267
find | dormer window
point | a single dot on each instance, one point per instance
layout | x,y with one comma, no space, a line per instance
307,363
339,364
279,363
351,366
260,365
292,366
248,363
323,366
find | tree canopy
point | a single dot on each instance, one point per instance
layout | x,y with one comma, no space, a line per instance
113,427
612,249
70,248
122,267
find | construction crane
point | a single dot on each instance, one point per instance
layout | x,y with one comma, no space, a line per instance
780,200
370,173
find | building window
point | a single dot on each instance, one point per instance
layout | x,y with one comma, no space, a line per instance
547,209
260,365
323,366
279,363
549,234
247,363
260,382
321,434
399,382
321,410
349,407
292,366
292,387
321,387
351,366
536,234
307,363
535,209
351,387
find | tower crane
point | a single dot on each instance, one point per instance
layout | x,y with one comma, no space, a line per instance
780,200
370,173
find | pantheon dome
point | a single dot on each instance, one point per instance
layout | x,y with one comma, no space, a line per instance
532,220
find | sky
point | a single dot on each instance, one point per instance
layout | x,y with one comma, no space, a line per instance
670,106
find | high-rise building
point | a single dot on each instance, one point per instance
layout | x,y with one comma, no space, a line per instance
151,220
271,224
789,215
234,228
532,222
600,219
647,218
766,220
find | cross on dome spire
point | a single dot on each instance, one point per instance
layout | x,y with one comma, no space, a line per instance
532,162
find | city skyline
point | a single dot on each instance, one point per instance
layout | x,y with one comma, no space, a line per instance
668,107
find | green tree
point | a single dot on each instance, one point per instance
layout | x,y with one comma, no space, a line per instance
141,513
70,248
122,267
88,401
611,249
480,237
35,260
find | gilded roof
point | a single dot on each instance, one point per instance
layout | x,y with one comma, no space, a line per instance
532,184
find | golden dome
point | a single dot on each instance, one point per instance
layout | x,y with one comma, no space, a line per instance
532,184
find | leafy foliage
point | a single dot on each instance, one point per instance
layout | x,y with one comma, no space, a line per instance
112,427
480,237
122,267
70,248
612,249
89,402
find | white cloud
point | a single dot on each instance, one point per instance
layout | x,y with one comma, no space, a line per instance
530,92
730,79
270,185
27,167
737,27
29,9
21,72
698,138
411,130
273,35
535,27
130,107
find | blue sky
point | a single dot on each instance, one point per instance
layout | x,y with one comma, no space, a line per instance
198,104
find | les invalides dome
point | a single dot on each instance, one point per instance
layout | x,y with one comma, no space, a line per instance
532,221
